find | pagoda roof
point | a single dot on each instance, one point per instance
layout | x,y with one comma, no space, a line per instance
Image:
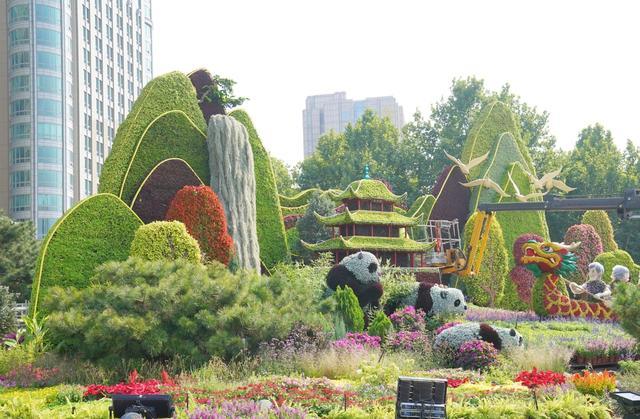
368,217
399,244
369,189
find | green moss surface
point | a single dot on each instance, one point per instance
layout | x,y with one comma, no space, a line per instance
367,217
302,198
169,92
618,257
601,222
400,244
271,232
294,210
96,230
369,189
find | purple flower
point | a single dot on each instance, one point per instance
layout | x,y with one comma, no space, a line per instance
357,342
409,319
476,354
408,341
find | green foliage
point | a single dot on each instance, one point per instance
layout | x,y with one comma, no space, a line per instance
602,224
487,287
310,230
221,91
7,315
618,257
96,230
626,307
18,253
171,135
349,308
169,92
282,173
165,240
166,309
302,198
380,326
271,233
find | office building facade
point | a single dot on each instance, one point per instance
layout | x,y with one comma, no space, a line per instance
324,113
73,70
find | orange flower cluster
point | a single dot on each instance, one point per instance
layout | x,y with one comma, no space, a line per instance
594,383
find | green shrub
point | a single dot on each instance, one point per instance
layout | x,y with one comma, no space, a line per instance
169,92
350,310
171,135
626,307
380,326
271,233
7,315
96,230
165,240
422,206
617,257
166,309
602,224
487,287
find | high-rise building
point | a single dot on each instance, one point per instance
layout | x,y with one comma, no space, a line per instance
70,72
324,113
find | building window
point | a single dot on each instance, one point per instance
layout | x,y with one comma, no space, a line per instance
49,155
44,224
20,203
20,131
19,13
88,165
100,149
19,84
49,178
87,122
48,61
19,60
49,202
88,144
20,179
88,187
49,84
48,131
20,107
47,14
48,38
19,155
50,107
19,36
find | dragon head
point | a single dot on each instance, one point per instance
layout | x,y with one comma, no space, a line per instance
549,257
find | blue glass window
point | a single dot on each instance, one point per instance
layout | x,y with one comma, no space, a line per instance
49,202
19,84
47,131
19,155
20,203
47,14
19,60
48,38
49,84
20,131
49,155
20,179
20,107
44,224
49,107
19,36
49,178
49,61
19,13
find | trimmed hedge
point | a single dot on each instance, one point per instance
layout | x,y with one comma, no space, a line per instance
452,199
270,225
602,224
158,189
171,91
165,240
201,79
493,120
590,247
493,269
171,135
618,257
96,230
199,208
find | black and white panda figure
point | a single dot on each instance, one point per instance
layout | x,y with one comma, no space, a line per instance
499,337
433,299
360,272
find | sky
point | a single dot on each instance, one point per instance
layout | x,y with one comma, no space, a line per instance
578,60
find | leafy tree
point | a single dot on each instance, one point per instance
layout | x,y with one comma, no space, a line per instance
18,253
627,308
221,91
380,326
284,180
7,315
309,228
350,310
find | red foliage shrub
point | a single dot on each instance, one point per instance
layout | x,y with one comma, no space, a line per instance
524,279
133,386
520,241
590,247
452,198
200,210
535,378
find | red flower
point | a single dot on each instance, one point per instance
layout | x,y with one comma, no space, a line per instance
535,378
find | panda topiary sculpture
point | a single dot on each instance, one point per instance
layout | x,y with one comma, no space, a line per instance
360,272
433,299
499,337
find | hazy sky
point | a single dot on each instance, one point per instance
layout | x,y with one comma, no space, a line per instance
579,60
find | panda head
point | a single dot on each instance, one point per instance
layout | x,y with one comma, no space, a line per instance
510,337
364,266
447,301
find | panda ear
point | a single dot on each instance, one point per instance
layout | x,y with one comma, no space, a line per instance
443,294
360,255
512,332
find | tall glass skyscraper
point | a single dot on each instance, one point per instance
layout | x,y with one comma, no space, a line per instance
71,71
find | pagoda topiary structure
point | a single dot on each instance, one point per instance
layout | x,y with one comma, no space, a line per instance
370,222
